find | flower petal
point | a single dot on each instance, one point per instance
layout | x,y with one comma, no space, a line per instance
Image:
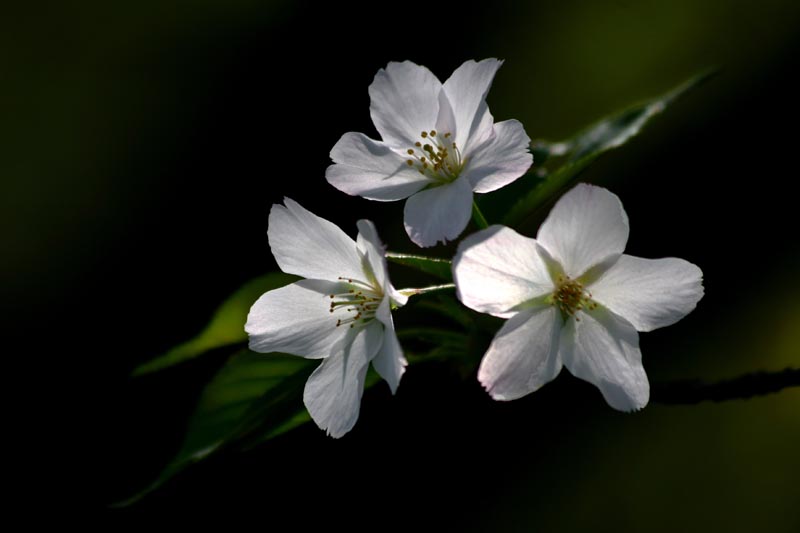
585,227
389,362
396,297
603,349
501,160
363,167
371,246
296,319
650,293
438,214
497,269
404,102
466,90
309,246
446,120
333,391
523,355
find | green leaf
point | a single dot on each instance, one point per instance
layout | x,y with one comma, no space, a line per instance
430,265
586,146
253,398
226,327
267,432
547,189
252,393
448,307
540,151
300,418
478,217
435,336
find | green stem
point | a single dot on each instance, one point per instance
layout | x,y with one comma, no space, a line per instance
434,266
425,290
401,256
478,217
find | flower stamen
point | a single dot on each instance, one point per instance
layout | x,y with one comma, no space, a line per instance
360,300
437,158
571,297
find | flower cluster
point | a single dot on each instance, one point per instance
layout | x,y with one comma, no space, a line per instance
571,297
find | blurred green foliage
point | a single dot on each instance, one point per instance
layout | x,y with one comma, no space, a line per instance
226,328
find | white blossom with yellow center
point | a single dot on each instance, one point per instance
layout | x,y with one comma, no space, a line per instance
341,313
439,145
572,298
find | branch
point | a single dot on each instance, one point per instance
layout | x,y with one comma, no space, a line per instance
692,391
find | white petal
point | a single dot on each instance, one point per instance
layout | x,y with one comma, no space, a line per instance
466,90
603,349
371,246
310,246
439,214
497,269
523,355
369,243
296,319
650,293
390,362
446,120
501,160
333,391
363,167
404,102
586,227
396,297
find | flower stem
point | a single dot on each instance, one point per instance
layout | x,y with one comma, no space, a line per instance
434,266
424,290
478,217
687,391
412,257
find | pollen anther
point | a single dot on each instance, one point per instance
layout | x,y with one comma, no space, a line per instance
571,297
444,158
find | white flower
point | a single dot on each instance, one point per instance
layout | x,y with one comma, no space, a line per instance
572,298
341,313
440,144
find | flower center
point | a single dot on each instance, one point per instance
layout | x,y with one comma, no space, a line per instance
437,157
571,297
357,305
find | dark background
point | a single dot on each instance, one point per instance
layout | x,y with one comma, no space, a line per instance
143,143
